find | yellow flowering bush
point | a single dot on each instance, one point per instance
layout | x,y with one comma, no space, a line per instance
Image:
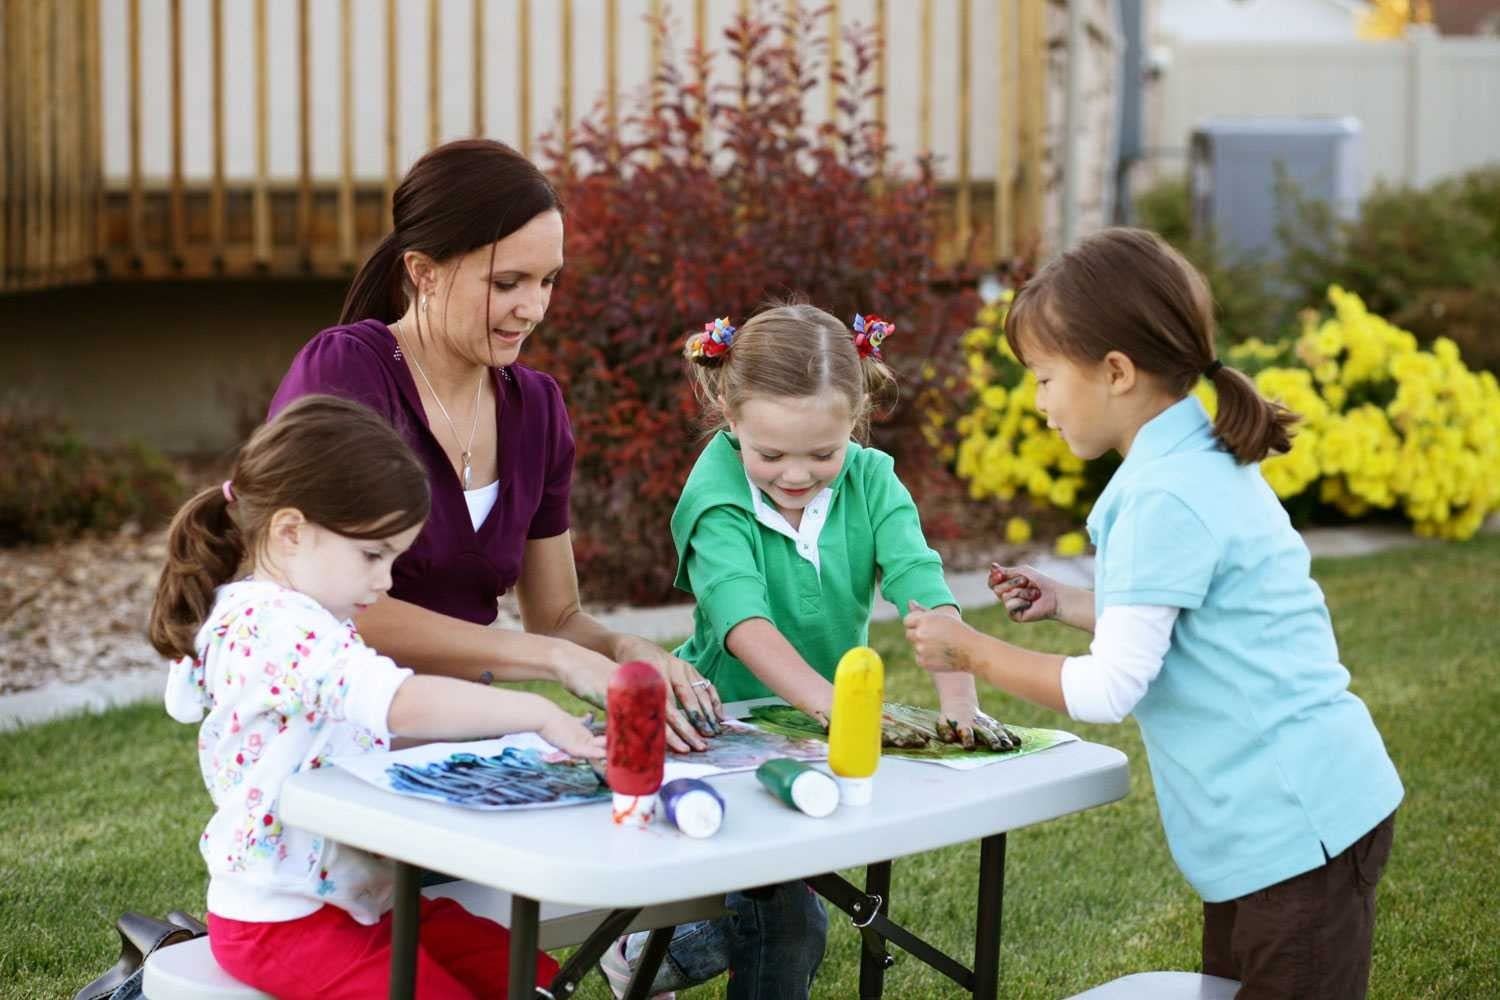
1385,425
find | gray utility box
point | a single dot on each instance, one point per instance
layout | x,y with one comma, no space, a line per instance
1234,170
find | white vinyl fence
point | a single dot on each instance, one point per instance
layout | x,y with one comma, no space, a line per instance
1429,106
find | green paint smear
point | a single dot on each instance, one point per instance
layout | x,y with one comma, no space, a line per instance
788,721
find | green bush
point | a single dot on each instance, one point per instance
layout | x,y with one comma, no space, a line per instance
1427,258
55,486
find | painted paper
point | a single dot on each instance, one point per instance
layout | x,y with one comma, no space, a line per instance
793,724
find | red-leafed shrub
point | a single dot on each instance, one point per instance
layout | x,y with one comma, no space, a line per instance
671,223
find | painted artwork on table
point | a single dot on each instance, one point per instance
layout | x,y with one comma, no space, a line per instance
797,725
516,778
742,747
522,771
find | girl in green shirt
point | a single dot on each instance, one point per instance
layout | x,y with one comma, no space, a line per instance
784,529
786,525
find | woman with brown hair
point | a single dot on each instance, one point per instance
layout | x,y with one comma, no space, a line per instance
430,337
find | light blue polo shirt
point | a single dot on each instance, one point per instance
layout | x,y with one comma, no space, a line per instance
1264,763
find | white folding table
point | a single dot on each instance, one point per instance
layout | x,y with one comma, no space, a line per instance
575,855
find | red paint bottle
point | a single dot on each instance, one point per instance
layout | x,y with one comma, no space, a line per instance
636,739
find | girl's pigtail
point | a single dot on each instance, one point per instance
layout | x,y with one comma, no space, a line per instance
881,389
375,292
204,550
1247,424
707,356
882,393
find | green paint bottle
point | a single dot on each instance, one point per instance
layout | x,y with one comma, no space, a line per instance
804,788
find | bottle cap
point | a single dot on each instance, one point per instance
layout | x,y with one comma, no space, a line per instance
634,810
855,791
693,806
815,793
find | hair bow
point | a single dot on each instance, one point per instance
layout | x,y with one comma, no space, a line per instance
869,333
709,347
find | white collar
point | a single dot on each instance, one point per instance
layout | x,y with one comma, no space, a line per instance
806,534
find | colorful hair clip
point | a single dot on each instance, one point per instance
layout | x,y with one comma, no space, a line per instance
710,346
869,333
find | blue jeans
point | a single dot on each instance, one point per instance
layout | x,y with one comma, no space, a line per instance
771,942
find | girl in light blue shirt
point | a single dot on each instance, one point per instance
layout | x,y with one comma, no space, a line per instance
1275,789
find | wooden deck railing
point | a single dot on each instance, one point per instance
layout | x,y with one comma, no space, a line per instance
103,175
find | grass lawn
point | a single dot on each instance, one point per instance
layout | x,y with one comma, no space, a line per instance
102,814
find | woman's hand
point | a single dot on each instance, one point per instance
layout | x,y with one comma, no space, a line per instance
1028,596
571,736
694,710
941,642
586,675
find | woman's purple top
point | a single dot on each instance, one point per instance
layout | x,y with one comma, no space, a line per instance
451,568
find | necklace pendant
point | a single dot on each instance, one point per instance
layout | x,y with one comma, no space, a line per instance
468,469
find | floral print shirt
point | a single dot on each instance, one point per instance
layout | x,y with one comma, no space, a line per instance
281,685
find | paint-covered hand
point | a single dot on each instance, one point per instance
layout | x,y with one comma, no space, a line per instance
694,710
941,642
572,736
907,727
1028,596
990,734
958,705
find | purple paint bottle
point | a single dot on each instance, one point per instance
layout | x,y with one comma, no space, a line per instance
693,806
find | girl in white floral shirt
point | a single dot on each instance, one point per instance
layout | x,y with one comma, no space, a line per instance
320,503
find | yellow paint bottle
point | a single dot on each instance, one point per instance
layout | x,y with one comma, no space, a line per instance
854,727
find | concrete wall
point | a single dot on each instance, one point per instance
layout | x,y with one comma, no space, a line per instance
173,364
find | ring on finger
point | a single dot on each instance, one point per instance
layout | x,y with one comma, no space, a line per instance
700,683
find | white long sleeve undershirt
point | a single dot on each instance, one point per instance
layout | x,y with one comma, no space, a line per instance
1130,643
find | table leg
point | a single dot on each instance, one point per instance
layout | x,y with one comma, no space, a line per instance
987,931
523,939
651,959
873,957
404,932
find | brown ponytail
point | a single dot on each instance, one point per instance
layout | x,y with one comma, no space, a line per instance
336,461
204,550
1127,290
376,290
1247,424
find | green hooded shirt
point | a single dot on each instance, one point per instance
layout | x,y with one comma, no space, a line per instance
738,568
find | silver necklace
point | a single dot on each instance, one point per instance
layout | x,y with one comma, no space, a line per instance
467,454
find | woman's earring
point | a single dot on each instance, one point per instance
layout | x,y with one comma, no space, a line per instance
424,303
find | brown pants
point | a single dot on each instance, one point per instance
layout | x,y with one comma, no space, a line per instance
1307,937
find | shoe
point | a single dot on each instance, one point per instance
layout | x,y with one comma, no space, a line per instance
140,935
617,971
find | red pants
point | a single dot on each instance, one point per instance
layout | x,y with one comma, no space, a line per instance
328,955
